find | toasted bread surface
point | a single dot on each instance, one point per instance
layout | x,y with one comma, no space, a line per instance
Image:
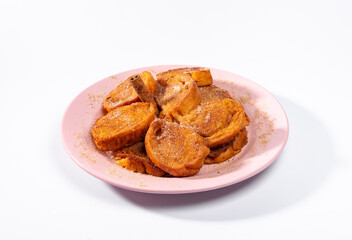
223,153
218,122
175,149
212,93
219,155
202,76
122,126
125,94
177,95
135,158
237,123
240,141
208,118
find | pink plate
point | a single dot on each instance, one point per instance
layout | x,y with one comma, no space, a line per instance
268,133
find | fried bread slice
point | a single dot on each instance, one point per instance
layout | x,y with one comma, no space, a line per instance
208,118
175,149
218,122
125,94
177,95
240,141
135,158
212,93
223,153
220,154
123,126
201,75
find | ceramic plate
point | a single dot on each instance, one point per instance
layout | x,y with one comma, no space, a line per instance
267,136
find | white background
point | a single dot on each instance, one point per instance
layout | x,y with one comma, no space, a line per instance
301,51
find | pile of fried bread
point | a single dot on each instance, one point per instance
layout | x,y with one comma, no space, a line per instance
170,126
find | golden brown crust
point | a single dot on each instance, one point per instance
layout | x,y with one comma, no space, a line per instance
149,81
177,95
237,123
122,126
125,94
177,150
130,164
201,75
218,122
208,118
240,141
223,153
212,93
135,158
